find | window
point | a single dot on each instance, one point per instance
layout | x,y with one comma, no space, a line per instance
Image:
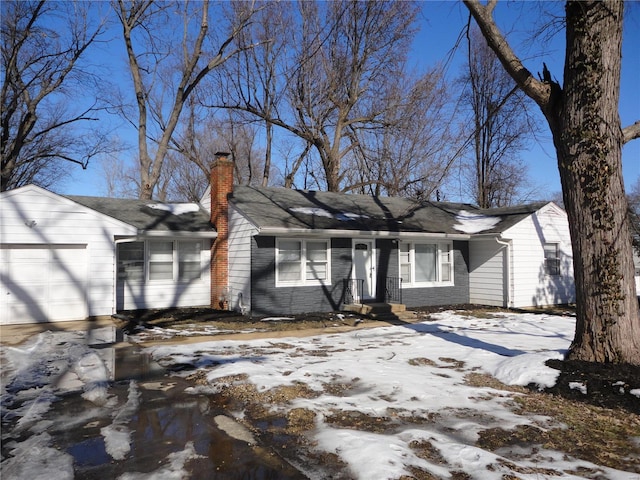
302,262
188,261
425,264
131,261
161,260
166,260
551,259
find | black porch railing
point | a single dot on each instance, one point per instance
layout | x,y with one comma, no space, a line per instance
393,290
353,288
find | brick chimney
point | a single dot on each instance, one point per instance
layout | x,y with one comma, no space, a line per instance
221,188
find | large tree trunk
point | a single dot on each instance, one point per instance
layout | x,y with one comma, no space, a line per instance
588,139
584,120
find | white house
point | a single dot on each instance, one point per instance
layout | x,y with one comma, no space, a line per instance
68,258
270,251
525,260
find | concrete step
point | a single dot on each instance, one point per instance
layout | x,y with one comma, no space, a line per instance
379,310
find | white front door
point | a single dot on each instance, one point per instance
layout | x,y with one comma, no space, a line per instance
364,268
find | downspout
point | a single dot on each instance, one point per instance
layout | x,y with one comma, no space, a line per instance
507,244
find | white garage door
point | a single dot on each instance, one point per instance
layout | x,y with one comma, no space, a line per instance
42,283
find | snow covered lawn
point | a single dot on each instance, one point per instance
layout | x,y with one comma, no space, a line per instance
398,401
413,401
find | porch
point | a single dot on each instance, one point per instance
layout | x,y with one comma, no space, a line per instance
381,311
386,306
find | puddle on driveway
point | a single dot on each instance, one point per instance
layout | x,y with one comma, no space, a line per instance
167,421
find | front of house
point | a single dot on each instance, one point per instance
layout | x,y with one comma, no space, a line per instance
291,251
272,251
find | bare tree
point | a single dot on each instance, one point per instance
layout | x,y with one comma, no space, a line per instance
163,81
41,64
634,214
499,123
409,150
585,124
343,53
256,76
193,151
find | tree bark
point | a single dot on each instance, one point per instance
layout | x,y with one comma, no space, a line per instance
589,144
585,124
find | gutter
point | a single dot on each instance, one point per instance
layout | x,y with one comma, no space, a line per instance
358,233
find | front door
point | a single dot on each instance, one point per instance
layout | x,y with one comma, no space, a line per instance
364,267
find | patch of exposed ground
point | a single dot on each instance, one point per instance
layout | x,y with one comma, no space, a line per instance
589,414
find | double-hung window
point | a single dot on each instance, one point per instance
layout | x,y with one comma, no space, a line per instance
131,261
160,260
426,264
551,259
302,262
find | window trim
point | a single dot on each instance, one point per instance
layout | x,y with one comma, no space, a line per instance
557,271
175,262
302,280
444,256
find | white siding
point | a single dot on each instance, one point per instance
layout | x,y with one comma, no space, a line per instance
240,233
487,273
31,216
531,285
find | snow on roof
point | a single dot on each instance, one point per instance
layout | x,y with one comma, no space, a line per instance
321,212
176,208
470,222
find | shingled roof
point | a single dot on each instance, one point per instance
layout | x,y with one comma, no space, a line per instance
281,208
151,215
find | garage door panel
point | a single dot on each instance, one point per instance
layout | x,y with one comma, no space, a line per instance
28,273
44,283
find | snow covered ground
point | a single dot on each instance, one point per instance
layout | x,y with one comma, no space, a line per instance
416,370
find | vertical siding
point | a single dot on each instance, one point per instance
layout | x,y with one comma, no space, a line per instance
488,281
240,236
531,285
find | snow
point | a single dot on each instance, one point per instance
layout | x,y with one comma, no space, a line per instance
117,436
321,212
176,208
409,372
35,459
175,470
469,222
387,377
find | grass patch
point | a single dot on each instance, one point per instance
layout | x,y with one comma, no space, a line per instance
604,436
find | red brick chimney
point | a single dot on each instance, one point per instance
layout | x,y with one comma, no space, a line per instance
221,187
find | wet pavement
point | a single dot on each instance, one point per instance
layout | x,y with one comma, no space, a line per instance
168,429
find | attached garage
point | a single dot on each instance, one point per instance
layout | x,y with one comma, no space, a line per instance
58,256
43,283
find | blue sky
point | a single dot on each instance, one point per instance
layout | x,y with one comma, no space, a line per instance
440,26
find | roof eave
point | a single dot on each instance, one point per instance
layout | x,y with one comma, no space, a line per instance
357,233
173,234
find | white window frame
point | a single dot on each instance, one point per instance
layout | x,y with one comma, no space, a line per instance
444,264
175,263
304,261
556,259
